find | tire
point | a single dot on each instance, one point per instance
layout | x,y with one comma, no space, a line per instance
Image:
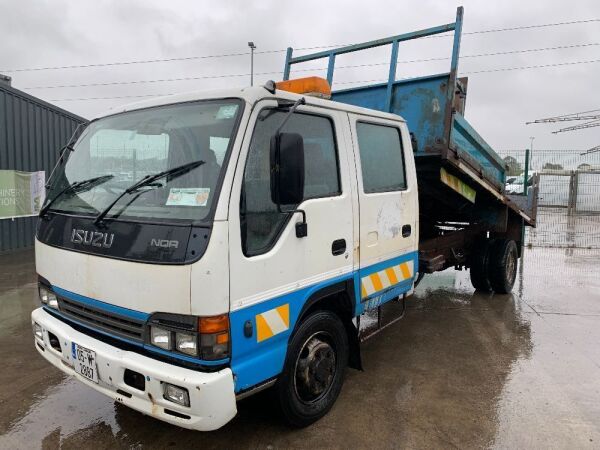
479,263
502,265
313,372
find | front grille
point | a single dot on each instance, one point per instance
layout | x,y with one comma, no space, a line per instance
100,319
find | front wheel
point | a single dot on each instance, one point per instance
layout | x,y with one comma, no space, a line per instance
313,373
502,265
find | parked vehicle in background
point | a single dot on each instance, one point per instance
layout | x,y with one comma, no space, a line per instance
266,222
515,185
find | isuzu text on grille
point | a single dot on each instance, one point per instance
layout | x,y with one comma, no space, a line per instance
95,238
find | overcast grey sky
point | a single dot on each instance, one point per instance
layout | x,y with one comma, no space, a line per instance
39,33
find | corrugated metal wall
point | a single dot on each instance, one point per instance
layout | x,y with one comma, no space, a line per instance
32,133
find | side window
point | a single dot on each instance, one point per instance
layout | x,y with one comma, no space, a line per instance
260,221
381,158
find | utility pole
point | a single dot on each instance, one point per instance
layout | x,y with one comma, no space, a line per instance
531,138
252,48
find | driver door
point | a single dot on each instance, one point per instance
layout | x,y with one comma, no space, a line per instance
273,272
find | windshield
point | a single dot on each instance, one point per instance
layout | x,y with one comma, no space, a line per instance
136,144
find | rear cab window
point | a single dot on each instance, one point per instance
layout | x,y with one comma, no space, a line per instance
381,157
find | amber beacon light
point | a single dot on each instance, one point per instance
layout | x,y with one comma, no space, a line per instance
314,86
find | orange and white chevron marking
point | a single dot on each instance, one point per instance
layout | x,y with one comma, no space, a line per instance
272,322
378,281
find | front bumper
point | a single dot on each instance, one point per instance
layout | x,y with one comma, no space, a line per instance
212,397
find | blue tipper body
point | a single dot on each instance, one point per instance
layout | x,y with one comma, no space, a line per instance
433,106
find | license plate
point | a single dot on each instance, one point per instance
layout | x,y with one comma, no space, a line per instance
85,362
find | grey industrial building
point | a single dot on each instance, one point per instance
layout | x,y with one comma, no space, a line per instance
32,133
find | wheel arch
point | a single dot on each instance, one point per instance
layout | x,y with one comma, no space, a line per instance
338,298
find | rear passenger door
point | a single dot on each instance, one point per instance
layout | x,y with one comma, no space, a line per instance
388,207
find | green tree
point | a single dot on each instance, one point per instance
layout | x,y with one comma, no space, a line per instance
551,166
513,168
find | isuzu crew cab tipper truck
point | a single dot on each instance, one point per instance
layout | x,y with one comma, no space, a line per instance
197,248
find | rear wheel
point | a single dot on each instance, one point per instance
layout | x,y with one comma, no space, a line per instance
502,265
313,373
479,267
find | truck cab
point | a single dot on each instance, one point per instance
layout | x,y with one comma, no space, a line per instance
191,290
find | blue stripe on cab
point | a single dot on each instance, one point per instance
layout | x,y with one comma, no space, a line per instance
253,362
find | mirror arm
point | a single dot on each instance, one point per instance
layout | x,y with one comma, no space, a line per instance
301,227
300,101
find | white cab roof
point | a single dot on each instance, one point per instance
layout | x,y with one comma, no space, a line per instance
251,95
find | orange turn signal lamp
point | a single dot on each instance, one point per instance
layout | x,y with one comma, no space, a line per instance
313,86
214,324
214,332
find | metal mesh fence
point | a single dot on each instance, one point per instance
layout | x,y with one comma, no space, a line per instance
568,199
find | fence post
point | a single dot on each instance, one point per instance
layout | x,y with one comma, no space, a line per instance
526,175
525,179
575,192
572,195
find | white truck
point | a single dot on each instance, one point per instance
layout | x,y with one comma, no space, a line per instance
197,248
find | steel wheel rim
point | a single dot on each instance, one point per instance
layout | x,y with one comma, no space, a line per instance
511,267
315,368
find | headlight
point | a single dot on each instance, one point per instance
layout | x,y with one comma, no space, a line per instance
186,343
202,337
47,297
160,337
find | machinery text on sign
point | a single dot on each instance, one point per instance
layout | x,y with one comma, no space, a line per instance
21,193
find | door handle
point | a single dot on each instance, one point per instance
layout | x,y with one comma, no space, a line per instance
338,247
406,230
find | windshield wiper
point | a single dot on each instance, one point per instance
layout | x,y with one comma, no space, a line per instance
149,180
78,186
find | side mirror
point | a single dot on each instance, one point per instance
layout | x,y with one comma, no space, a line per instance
287,175
287,169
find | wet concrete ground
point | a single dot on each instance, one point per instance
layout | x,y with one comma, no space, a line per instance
461,370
